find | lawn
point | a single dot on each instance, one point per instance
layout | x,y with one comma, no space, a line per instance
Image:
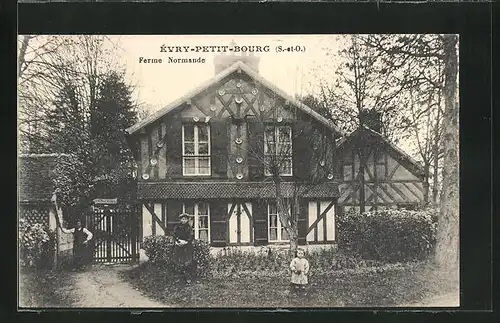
43,288
391,287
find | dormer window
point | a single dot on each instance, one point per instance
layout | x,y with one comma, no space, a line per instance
196,150
278,150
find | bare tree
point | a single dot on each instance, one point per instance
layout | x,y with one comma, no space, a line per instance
46,65
297,152
441,50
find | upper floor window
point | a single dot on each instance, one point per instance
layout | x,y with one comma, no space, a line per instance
195,149
200,219
277,231
278,150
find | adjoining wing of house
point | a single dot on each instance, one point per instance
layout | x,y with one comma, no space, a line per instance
194,156
391,177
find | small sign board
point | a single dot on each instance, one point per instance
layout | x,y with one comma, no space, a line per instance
105,201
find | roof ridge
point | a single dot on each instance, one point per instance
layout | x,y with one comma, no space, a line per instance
385,139
248,70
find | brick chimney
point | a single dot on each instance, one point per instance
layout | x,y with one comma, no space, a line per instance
371,119
224,60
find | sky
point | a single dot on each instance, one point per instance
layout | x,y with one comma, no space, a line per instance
159,84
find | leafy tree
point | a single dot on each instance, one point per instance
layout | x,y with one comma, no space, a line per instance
115,112
101,163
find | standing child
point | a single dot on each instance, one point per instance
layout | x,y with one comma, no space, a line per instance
300,268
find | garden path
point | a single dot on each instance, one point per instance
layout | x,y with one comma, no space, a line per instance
101,286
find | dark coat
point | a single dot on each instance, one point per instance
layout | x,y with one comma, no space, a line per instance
183,232
184,254
81,252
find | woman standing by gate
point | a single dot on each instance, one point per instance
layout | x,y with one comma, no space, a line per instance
81,236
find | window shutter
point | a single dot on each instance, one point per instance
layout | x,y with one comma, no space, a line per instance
219,145
302,222
174,147
302,151
260,222
255,149
174,208
218,223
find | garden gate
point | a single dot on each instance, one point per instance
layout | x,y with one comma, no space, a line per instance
115,229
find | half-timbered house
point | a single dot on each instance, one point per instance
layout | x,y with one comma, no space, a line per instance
376,173
195,156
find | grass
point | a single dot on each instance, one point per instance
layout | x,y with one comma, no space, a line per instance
43,288
390,287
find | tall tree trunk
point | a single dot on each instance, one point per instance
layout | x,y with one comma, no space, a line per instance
447,255
426,183
435,153
285,217
435,168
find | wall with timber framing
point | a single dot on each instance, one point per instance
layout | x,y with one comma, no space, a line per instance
243,222
388,180
235,108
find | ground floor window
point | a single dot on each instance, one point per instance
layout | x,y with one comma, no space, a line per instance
200,220
277,231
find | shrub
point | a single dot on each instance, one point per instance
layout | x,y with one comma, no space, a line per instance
388,235
160,251
36,245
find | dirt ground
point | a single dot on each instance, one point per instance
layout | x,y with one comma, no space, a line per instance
101,286
104,286
446,300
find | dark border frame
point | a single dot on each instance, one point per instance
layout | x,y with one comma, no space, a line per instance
473,21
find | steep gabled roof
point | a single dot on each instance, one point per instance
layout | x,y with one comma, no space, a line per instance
407,160
220,76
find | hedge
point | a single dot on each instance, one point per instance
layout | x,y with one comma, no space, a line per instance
160,249
388,235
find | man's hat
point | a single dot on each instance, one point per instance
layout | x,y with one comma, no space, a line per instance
184,215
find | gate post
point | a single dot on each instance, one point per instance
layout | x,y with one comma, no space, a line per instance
108,234
133,239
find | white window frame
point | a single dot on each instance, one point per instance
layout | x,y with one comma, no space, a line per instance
196,155
276,146
196,217
279,227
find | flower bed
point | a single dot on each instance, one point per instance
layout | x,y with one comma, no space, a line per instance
235,262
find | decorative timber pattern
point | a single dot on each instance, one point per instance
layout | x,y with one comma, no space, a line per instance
385,180
225,107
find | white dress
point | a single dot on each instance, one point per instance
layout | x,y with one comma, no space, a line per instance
301,265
